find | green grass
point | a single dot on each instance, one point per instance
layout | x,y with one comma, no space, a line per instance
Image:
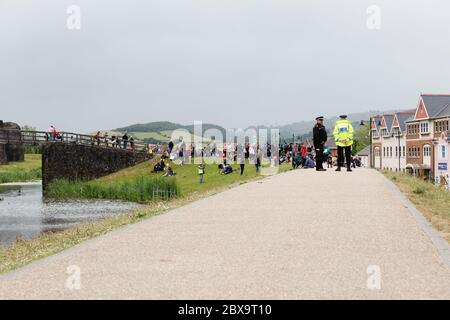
433,201
148,135
24,171
187,178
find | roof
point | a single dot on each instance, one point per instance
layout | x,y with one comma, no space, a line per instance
388,118
377,119
445,111
437,105
365,151
405,116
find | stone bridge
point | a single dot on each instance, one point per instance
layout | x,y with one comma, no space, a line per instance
69,156
9,149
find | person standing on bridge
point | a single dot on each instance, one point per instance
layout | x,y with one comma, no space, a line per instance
132,143
319,140
53,133
125,140
343,136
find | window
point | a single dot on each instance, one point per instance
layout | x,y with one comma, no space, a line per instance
390,152
413,128
426,151
384,132
396,131
440,126
404,151
396,152
443,151
375,133
424,127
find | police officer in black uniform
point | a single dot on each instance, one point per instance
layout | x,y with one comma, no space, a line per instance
319,139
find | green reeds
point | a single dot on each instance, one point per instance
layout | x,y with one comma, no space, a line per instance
140,189
20,175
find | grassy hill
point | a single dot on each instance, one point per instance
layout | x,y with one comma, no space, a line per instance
161,131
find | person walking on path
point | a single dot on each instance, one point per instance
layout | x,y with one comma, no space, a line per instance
319,140
343,136
258,159
242,164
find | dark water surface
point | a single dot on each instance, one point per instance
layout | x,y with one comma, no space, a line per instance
25,214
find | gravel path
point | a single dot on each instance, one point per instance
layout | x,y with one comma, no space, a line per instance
296,235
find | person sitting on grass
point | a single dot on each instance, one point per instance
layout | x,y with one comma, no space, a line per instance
227,169
169,172
159,166
309,163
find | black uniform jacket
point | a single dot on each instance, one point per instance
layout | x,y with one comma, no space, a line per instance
319,136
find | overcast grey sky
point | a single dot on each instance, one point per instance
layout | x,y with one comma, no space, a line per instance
230,62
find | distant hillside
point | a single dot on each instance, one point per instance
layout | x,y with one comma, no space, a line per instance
161,131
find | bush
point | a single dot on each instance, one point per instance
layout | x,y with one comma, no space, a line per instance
419,190
139,189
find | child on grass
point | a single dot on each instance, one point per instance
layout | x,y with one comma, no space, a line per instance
201,171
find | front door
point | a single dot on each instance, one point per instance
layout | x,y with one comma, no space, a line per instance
427,155
377,158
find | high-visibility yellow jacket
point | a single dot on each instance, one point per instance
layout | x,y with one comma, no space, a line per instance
343,133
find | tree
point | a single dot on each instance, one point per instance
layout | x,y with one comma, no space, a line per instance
361,138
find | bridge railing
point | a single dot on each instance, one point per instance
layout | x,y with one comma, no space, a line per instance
41,137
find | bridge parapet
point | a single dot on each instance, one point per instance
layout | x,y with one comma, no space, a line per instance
83,162
17,136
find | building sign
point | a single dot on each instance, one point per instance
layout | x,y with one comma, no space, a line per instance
442,166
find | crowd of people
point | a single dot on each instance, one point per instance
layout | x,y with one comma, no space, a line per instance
115,141
305,155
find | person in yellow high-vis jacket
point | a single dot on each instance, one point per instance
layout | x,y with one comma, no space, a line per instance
343,136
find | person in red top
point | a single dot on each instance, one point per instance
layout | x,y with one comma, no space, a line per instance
304,150
53,133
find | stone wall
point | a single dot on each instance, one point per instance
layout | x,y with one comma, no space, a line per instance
3,155
10,151
79,162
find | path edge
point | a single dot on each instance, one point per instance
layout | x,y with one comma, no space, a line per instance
441,245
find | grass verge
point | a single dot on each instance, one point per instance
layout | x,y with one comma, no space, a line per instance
24,171
27,251
433,201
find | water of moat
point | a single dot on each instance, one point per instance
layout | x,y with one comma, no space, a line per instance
25,214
